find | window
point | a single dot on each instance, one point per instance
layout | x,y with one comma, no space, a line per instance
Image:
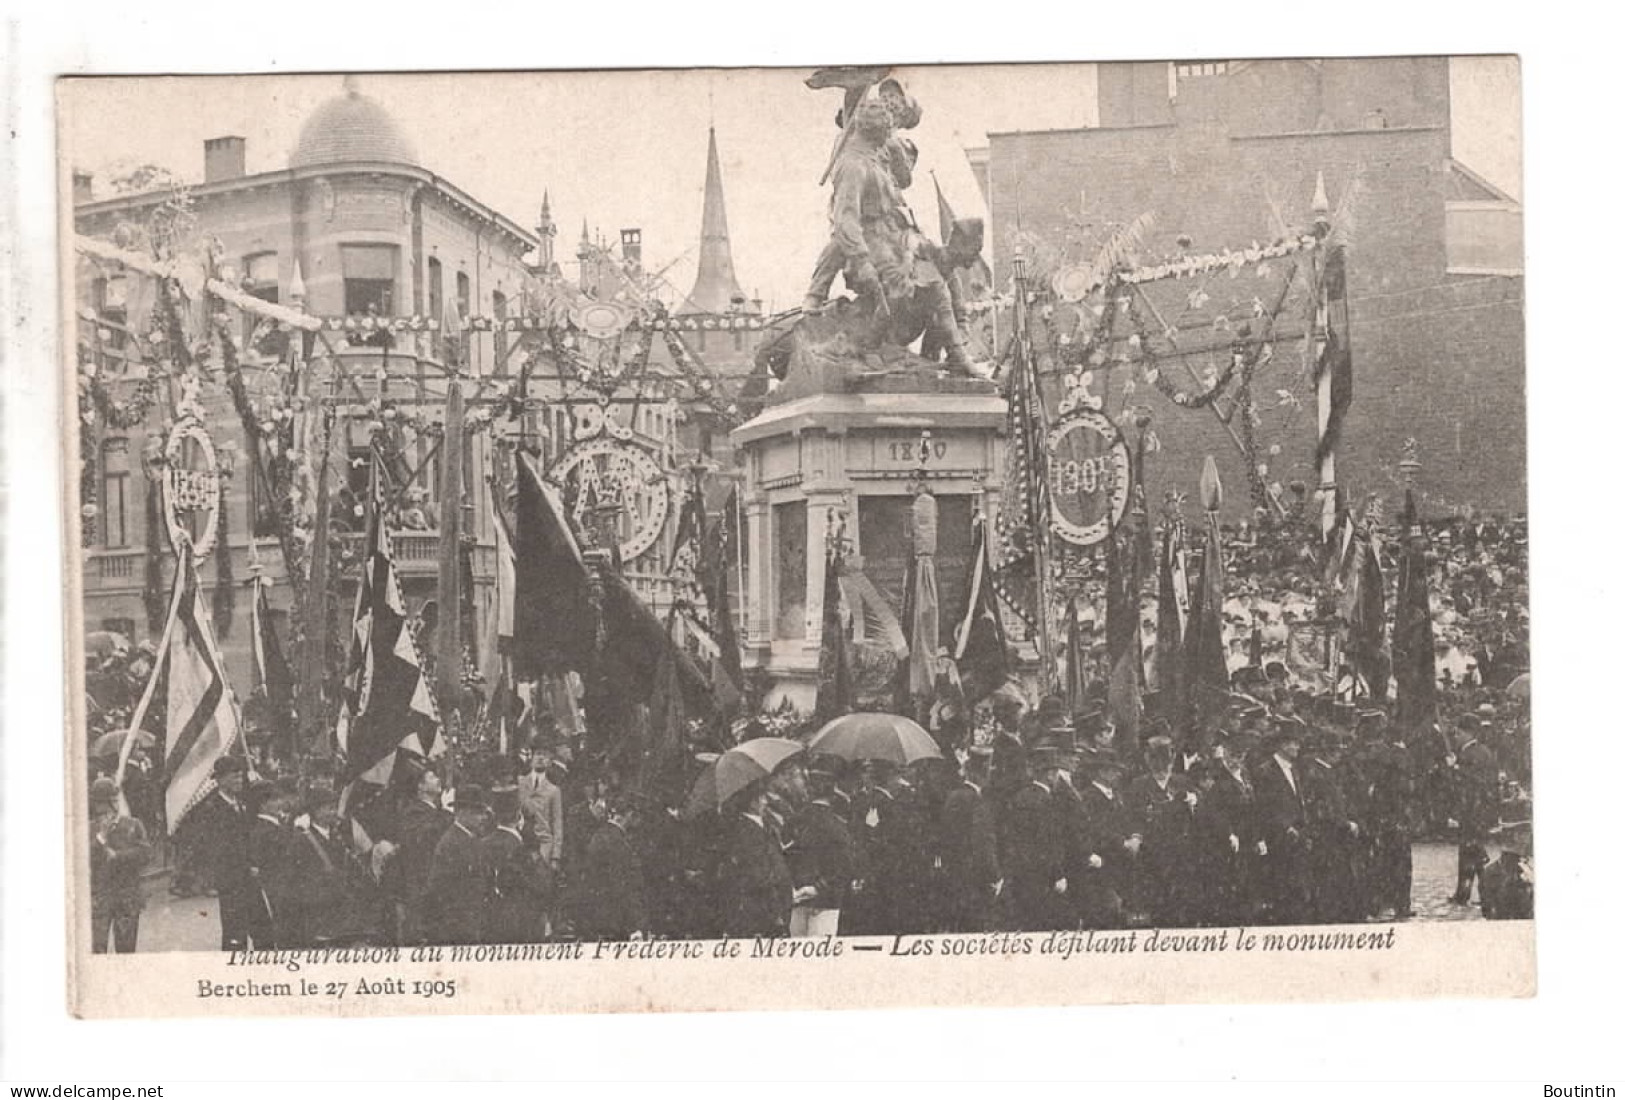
260,281
111,308
463,298
116,494
260,276
1184,69
437,290
369,279
499,339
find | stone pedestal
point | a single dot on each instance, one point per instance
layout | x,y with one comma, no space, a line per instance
855,454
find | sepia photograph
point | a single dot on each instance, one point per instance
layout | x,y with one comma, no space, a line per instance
769,538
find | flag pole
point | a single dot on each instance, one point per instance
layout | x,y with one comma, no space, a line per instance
183,562
1323,387
1041,537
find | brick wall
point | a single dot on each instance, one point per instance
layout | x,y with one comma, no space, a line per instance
1438,357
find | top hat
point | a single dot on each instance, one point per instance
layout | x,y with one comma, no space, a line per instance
470,796
1099,759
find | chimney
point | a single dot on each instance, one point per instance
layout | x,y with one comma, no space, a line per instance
84,185
632,246
224,158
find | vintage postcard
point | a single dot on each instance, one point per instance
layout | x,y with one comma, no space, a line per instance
767,538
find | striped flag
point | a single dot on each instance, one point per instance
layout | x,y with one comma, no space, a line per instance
979,645
201,723
1025,516
1336,361
388,705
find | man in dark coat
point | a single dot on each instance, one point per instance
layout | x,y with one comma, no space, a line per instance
1387,773
609,902
1229,844
1163,806
1507,889
823,857
221,825
119,851
1108,843
454,900
519,880
336,895
970,849
1336,889
1035,847
901,857
420,823
1284,822
754,889
273,855
1478,779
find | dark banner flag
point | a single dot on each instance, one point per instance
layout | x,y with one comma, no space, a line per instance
660,766
834,663
1077,662
635,643
1364,610
1173,609
714,568
1123,631
1414,671
1207,673
979,644
273,678
450,592
554,626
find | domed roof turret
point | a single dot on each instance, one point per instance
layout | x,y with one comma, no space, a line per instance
351,127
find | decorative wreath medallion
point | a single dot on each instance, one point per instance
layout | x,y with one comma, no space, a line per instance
1088,477
600,320
191,487
610,472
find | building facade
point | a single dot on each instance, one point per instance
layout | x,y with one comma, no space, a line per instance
352,228
1226,154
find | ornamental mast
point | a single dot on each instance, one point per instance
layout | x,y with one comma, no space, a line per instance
1039,473
1321,208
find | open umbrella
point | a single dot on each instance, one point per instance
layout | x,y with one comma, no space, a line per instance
1519,687
869,735
737,769
111,743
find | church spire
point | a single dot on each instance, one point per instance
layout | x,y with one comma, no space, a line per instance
546,233
716,287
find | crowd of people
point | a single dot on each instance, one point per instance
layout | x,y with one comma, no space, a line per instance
1049,823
